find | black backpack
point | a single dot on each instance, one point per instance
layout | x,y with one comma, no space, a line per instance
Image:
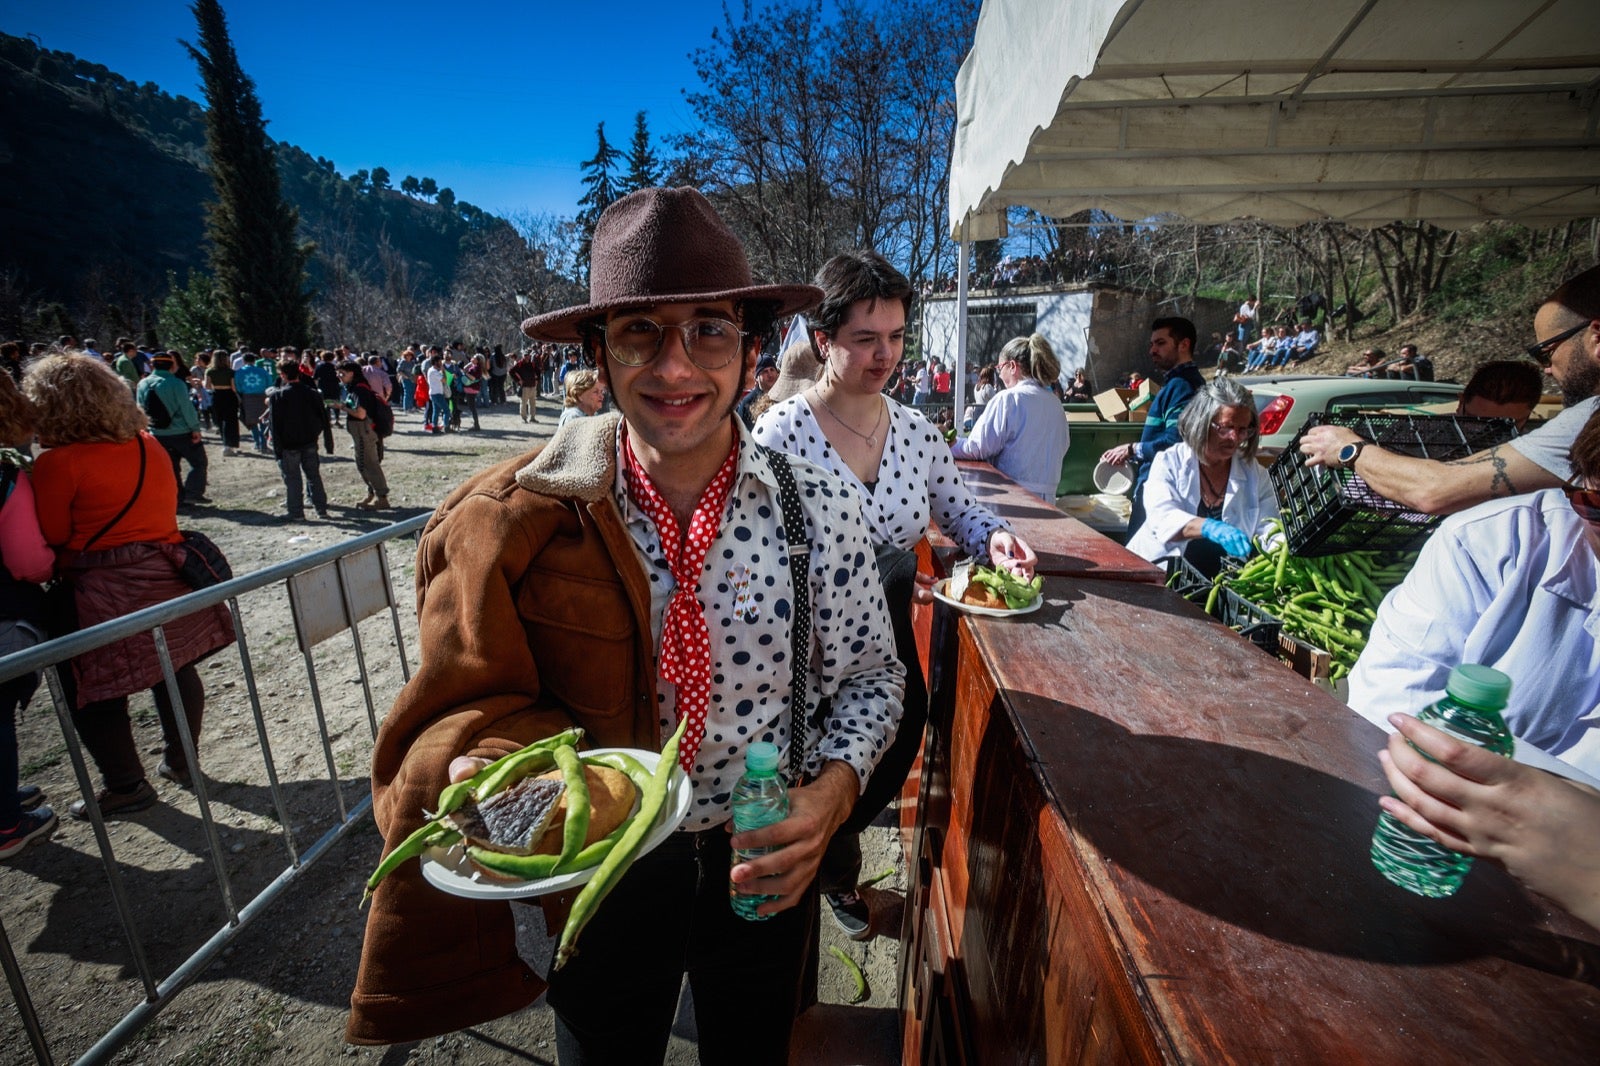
160,417
381,413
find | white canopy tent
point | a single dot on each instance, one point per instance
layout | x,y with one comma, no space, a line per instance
1452,111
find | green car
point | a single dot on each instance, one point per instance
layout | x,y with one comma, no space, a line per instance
1285,401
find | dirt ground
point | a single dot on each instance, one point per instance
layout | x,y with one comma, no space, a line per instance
280,992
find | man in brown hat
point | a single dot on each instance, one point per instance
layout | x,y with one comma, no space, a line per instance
638,571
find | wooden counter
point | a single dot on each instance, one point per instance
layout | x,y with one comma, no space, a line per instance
1065,546
1141,840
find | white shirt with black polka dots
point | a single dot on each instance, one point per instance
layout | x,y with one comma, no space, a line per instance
745,593
917,477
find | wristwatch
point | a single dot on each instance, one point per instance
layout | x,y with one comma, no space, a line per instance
1347,455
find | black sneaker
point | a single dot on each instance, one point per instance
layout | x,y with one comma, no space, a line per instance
850,913
31,826
29,797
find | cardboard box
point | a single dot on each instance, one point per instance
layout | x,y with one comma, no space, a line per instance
1117,405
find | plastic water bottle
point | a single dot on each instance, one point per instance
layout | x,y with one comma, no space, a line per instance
759,799
1469,711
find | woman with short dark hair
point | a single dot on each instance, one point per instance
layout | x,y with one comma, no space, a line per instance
26,562
901,469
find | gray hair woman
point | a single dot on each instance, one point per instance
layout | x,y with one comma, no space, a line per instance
1207,496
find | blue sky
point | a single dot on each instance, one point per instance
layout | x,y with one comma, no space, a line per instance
496,100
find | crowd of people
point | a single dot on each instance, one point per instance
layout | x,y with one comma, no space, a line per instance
288,400
121,452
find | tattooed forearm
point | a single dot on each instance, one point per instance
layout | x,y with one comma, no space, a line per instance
1500,484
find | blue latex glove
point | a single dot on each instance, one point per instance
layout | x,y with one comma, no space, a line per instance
1229,538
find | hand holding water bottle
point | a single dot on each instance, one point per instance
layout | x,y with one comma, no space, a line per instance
1543,829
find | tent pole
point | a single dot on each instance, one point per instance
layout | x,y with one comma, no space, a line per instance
959,377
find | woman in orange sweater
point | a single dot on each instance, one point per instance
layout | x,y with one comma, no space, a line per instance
108,505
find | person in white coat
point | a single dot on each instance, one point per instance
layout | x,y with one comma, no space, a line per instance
1207,497
1023,430
1513,584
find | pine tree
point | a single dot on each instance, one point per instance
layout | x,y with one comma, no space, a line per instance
258,263
602,189
644,169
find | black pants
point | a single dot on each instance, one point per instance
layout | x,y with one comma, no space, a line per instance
181,446
841,863
668,916
106,730
1136,516
14,695
225,410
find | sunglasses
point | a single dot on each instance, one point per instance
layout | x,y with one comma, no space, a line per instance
1585,501
1543,350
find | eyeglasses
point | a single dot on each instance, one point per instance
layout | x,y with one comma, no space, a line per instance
1543,350
634,340
1585,501
1230,431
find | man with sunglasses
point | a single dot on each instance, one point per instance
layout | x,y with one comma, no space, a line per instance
1568,325
634,573
1513,584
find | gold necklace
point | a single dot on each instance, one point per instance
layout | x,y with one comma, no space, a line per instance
870,438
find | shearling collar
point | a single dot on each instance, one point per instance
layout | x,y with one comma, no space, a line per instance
579,462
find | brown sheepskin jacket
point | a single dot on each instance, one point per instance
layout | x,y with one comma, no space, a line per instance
533,610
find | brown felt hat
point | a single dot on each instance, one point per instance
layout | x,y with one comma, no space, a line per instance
662,246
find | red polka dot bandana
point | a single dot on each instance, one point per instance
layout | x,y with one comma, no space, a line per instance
685,637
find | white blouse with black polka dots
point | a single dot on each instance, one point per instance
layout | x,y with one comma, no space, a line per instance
916,478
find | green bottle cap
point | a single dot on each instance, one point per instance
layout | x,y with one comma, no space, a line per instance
1482,686
762,757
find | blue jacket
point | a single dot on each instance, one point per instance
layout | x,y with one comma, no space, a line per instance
1161,424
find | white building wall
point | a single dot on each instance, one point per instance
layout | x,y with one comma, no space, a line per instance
1063,319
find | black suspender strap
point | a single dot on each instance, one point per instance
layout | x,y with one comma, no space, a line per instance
799,551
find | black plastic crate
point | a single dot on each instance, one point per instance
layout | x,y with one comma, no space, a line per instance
1250,620
1266,632
1327,511
1186,581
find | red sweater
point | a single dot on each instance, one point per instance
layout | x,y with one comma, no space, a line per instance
79,487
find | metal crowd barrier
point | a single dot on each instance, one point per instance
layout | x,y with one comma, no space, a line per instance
330,591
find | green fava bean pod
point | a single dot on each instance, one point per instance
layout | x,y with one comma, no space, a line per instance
625,850
579,809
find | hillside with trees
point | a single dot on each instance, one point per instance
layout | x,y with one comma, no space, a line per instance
105,212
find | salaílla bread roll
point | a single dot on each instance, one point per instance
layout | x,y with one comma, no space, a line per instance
980,595
529,817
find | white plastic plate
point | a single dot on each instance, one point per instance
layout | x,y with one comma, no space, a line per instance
449,869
